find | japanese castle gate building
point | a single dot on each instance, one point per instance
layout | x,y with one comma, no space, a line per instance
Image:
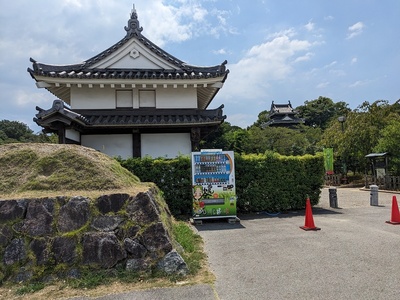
132,100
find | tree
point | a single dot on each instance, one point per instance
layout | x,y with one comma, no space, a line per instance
389,141
14,131
360,133
18,132
222,138
319,112
285,141
262,118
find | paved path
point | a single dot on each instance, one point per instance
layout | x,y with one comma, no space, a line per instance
355,255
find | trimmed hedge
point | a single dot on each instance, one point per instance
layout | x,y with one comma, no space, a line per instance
172,176
269,182
274,183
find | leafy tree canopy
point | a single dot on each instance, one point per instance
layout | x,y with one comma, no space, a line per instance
362,131
18,132
14,131
319,112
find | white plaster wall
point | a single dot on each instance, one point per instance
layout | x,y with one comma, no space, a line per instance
73,135
179,97
92,98
124,98
167,145
112,145
105,98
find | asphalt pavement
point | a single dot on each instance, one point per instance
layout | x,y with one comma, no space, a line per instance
355,255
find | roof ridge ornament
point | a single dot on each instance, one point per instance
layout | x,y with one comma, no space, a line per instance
133,28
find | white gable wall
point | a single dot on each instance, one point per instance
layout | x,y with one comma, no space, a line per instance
168,145
133,56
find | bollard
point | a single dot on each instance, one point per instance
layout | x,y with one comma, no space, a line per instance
374,195
333,197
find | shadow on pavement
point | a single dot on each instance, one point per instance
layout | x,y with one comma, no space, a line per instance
223,224
218,224
288,214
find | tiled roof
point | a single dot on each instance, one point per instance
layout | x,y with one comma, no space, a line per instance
283,122
281,109
81,71
132,118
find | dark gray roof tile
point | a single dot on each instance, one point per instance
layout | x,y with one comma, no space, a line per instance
129,117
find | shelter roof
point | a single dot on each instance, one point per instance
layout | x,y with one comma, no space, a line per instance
374,155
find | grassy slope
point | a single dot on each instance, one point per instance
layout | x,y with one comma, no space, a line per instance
31,169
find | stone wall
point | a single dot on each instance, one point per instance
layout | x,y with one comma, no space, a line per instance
39,236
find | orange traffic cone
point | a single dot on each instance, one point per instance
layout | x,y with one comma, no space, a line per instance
395,219
309,221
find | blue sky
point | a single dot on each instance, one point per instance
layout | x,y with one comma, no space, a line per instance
277,50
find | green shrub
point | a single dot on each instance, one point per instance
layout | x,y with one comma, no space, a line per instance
172,176
264,182
275,183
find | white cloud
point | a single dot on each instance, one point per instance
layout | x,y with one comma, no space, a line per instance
330,64
220,51
24,98
262,64
291,32
355,29
322,85
337,72
157,13
310,26
353,60
241,120
69,3
358,83
185,19
305,57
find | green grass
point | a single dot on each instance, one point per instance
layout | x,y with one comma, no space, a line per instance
91,279
52,167
30,288
192,243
